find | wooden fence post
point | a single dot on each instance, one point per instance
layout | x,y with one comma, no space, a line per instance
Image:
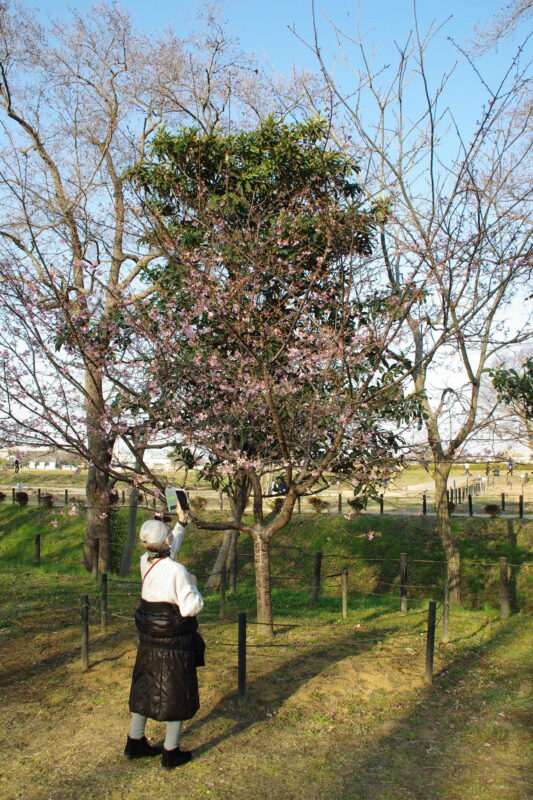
37,550
66,497
446,611
84,631
381,503
38,497
339,504
221,501
222,613
503,501
403,582
13,496
521,506
315,588
424,504
470,506
103,601
123,497
345,592
504,588
241,648
96,556
430,642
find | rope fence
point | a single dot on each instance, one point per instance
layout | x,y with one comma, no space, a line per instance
243,644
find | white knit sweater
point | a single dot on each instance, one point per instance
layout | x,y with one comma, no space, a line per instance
169,581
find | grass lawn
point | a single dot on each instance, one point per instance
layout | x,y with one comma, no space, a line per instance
335,708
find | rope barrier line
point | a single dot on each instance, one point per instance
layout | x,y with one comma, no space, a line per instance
411,585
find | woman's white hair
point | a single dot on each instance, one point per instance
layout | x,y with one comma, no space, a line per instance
153,533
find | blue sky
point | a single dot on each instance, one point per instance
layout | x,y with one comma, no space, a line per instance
263,28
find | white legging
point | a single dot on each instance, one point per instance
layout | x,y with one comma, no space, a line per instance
172,733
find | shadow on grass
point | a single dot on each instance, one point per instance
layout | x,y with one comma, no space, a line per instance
416,759
423,755
275,686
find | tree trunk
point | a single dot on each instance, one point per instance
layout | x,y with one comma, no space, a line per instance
98,522
262,585
131,535
213,582
140,442
453,561
240,492
100,447
231,561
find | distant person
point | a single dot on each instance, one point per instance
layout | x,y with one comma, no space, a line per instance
467,469
510,466
164,683
487,468
17,465
281,486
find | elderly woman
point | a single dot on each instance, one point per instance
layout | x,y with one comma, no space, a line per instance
164,684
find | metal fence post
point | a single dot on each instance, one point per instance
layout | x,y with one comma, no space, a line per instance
37,547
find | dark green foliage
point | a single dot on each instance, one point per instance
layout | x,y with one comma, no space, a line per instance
357,503
198,504
118,532
492,509
514,386
318,504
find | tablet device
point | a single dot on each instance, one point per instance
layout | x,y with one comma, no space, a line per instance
175,497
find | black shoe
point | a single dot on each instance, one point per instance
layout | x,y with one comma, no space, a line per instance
175,758
139,748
